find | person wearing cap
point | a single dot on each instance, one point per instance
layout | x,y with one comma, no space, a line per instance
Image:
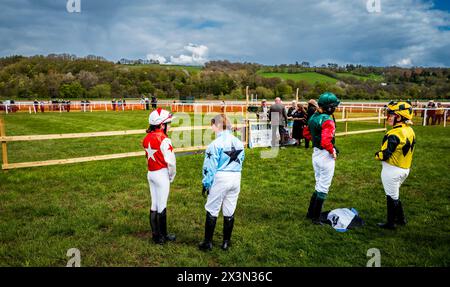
396,155
320,130
161,165
221,180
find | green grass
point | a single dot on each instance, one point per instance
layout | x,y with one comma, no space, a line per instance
102,207
310,77
363,78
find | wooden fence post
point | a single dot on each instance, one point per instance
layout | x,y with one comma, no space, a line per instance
445,118
4,147
346,124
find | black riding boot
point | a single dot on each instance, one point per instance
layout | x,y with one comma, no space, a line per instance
317,209
399,215
228,223
391,206
162,220
210,225
154,226
311,205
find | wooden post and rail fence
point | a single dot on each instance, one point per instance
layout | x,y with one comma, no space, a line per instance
8,139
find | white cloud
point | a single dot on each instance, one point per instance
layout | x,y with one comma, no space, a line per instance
406,62
156,57
264,31
198,55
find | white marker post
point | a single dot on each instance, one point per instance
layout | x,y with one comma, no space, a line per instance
425,117
445,118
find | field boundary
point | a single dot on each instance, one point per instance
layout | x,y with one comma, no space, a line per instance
5,139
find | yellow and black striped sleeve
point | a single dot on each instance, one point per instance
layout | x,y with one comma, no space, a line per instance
389,145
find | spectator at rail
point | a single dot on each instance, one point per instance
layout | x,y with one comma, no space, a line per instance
142,102
147,104
119,104
278,118
68,105
415,106
113,102
124,103
42,106
36,106
431,113
54,105
262,112
311,109
223,107
154,102
299,118
439,113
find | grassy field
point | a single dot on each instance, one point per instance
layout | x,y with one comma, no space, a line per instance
101,207
310,77
364,78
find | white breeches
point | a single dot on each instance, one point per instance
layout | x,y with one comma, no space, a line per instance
323,163
224,193
159,188
392,178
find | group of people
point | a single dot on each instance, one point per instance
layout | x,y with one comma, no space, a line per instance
435,113
145,102
119,104
295,118
224,158
221,171
53,105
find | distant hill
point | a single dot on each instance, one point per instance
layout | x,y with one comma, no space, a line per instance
310,77
190,69
70,77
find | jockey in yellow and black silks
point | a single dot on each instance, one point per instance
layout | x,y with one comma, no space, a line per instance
396,154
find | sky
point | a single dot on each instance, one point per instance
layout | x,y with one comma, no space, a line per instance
368,32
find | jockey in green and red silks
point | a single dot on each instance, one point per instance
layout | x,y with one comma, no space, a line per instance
321,130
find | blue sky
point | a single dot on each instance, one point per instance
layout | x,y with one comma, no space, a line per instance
404,32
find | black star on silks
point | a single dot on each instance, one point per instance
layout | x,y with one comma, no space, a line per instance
233,154
208,155
205,171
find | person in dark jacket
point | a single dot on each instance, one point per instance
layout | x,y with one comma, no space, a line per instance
311,109
299,117
154,102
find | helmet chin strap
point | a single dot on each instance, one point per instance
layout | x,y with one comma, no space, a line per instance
164,128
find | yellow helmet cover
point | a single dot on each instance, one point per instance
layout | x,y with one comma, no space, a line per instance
402,109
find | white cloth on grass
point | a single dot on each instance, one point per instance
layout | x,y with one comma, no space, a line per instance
341,218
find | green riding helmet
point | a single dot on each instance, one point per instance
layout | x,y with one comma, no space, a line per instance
328,102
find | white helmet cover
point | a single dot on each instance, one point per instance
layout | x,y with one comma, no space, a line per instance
159,116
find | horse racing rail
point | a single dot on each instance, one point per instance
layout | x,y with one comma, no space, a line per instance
5,139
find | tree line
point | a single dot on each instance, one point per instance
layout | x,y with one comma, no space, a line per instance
67,76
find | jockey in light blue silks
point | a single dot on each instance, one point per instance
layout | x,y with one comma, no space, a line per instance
221,180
